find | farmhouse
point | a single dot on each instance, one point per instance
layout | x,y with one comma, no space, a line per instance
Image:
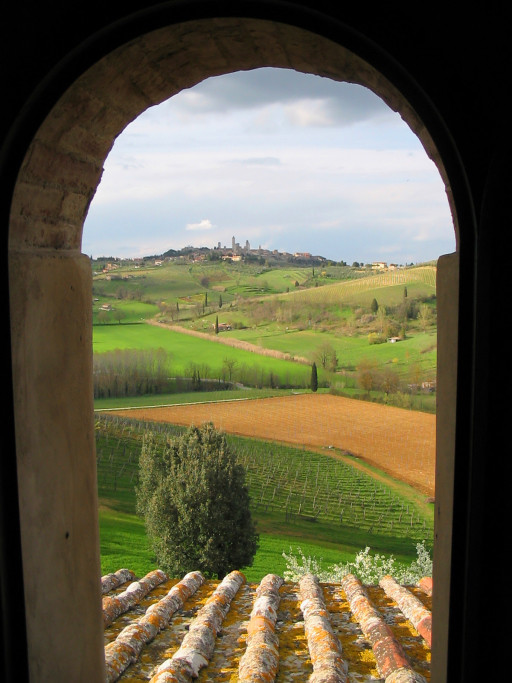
224,327
110,266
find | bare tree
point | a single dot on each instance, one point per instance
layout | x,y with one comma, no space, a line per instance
424,316
327,357
229,364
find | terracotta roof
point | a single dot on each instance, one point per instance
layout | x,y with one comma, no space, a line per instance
174,631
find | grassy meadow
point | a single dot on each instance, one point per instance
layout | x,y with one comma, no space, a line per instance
104,404
186,351
330,309
418,349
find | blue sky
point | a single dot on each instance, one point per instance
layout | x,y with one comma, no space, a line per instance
288,161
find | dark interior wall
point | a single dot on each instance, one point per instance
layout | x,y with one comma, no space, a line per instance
456,58
459,63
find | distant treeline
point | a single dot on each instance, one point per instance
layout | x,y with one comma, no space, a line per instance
131,372
134,372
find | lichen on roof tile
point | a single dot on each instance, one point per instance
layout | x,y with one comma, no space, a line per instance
232,631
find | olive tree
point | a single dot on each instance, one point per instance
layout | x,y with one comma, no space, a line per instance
195,503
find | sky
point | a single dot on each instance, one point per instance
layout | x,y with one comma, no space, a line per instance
285,160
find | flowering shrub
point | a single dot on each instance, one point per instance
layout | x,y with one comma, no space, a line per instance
368,568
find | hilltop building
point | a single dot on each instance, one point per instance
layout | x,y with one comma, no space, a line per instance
236,250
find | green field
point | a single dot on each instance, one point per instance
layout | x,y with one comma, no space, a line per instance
418,348
326,506
292,310
123,544
388,287
155,283
187,397
186,350
130,311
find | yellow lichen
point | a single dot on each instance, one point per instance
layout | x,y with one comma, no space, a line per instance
412,643
356,650
295,663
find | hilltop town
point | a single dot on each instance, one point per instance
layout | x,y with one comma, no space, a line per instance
238,253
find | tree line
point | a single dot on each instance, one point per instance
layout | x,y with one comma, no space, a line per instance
131,372
135,372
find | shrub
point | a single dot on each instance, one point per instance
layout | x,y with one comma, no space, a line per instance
193,497
376,338
368,568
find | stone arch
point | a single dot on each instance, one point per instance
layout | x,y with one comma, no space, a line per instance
63,166
50,284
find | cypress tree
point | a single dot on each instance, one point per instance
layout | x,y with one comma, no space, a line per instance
314,378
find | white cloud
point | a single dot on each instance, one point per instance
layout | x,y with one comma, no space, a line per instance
203,225
309,113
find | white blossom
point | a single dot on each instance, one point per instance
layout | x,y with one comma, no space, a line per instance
367,567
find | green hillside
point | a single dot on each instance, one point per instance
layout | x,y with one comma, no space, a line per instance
337,316
186,352
420,282
332,316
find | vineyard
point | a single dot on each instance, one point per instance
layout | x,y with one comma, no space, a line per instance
304,484
291,483
352,290
395,440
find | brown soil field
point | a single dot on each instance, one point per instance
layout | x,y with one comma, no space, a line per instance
399,442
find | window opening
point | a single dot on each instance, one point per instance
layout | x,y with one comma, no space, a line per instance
300,217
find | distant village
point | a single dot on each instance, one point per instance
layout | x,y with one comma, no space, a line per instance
238,253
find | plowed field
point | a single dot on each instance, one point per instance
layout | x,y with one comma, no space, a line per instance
400,442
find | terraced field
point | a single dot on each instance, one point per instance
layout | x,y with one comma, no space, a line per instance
363,289
163,630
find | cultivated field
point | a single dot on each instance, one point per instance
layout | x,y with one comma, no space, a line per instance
400,442
362,290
